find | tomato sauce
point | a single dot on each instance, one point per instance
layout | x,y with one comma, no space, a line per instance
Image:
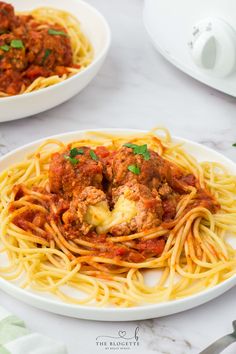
29,50
156,191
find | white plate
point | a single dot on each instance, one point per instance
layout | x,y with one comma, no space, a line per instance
46,302
97,30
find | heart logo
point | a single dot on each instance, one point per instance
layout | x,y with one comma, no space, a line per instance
122,334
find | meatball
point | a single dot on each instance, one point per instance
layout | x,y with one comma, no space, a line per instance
87,210
29,50
12,58
152,171
70,175
7,17
136,208
45,49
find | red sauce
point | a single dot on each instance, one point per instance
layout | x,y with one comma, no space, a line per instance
156,192
28,51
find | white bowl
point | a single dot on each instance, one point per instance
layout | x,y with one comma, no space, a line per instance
49,303
97,30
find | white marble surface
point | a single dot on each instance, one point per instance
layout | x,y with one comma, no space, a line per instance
136,88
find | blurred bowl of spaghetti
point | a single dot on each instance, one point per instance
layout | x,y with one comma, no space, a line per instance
47,54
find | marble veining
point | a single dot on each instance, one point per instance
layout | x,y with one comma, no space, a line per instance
4,144
162,339
136,88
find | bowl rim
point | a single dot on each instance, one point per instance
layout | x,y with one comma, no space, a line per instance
137,312
79,74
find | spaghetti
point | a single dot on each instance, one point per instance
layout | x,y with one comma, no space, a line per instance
39,49
52,247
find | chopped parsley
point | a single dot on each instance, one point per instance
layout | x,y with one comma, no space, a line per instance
130,145
17,44
234,144
54,32
93,155
134,169
72,160
75,151
46,55
72,155
5,47
139,150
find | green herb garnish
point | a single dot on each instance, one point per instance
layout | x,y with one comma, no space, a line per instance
139,150
57,33
17,44
130,145
72,160
46,55
5,47
93,155
72,155
134,169
234,144
75,151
